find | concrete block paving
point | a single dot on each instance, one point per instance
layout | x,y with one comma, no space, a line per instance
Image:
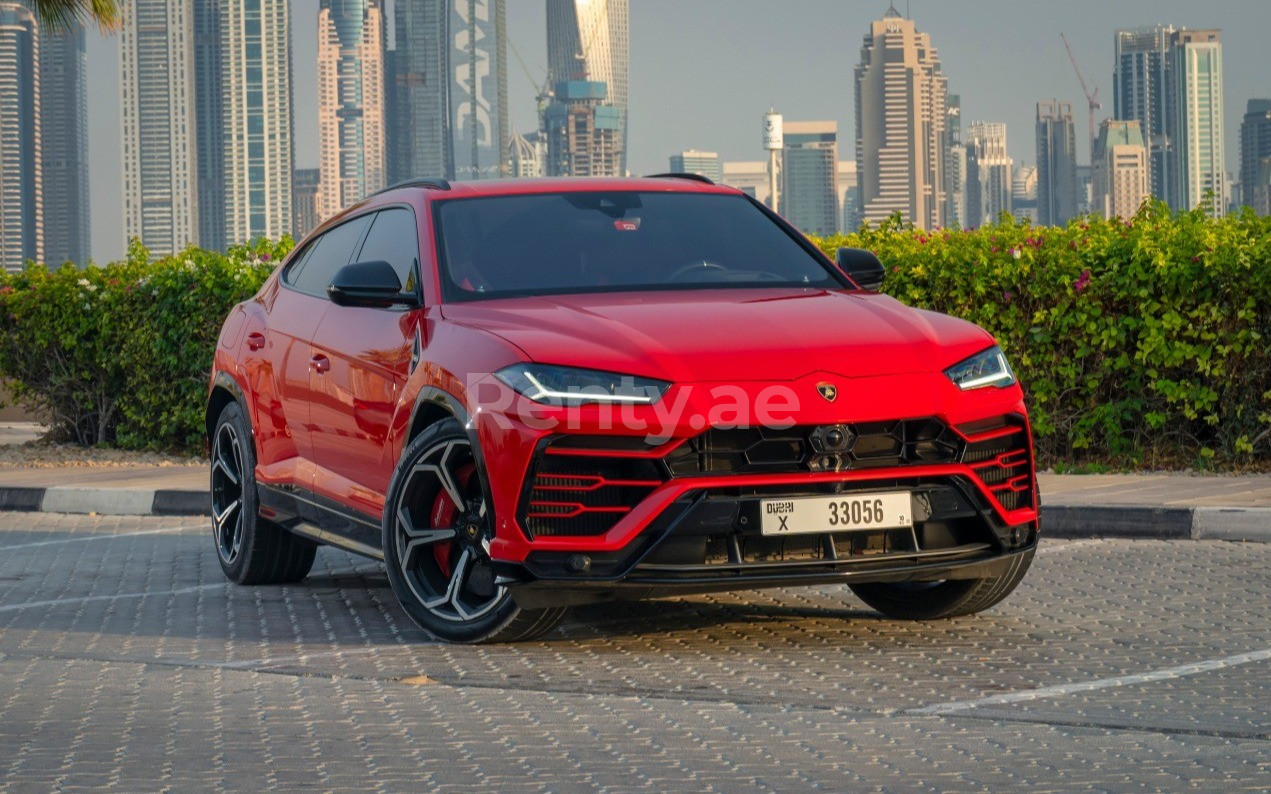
128,663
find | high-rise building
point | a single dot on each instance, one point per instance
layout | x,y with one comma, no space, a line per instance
589,41
1260,192
954,165
849,197
350,102
1199,143
1255,145
157,110
989,172
64,146
1143,91
750,177
584,131
691,161
304,201
1056,163
900,124
253,128
450,96
809,190
524,157
1120,169
209,119
1024,192
21,174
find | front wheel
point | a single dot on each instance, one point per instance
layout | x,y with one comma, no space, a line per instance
948,599
437,531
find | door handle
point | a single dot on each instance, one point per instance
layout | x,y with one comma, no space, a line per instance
255,340
320,364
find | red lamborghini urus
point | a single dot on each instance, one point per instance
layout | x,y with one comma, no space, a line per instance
526,395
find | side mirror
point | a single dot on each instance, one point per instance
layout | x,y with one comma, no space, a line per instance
372,284
863,267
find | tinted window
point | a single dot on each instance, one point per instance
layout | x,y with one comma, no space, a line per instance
394,239
611,242
328,253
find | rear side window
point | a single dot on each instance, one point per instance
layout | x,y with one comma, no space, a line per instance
317,266
394,238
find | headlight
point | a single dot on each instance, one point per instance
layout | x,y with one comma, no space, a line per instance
550,385
983,369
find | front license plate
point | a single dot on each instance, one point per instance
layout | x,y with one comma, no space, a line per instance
843,513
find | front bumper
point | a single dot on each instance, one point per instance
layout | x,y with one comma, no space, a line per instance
585,510
708,539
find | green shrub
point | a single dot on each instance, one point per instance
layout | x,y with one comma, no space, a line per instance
121,354
1140,343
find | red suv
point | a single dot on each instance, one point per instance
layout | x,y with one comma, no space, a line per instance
526,395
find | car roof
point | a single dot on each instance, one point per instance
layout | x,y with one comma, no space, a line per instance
440,189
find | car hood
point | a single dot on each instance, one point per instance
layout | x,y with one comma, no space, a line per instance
728,335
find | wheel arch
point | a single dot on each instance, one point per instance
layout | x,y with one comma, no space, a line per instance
224,391
434,405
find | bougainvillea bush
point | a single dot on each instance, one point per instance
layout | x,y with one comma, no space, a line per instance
121,354
1140,343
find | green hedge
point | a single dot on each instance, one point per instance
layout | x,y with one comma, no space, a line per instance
1140,343
121,354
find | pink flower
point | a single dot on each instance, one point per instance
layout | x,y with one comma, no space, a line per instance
265,257
1083,281
1195,258
1008,296
6,290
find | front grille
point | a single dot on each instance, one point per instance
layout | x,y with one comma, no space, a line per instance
866,445
997,451
572,492
582,486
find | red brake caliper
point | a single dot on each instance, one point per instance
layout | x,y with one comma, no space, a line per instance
443,514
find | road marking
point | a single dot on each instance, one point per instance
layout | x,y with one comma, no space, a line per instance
116,597
1073,545
1060,690
168,531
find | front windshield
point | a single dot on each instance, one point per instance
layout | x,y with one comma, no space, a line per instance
545,244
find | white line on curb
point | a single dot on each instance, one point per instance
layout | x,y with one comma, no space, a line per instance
167,531
87,599
1102,683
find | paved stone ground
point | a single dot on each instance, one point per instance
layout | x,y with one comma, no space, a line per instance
127,663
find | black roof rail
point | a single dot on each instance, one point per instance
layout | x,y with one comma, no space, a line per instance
694,177
434,184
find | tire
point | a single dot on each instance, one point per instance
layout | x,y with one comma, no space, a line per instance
938,600
437,530
251,550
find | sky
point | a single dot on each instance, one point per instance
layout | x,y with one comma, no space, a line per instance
703,72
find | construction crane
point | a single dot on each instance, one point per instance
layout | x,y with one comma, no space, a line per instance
1092,97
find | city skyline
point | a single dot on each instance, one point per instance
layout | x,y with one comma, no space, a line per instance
732,85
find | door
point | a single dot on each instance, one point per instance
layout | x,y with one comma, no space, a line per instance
295,309
367,355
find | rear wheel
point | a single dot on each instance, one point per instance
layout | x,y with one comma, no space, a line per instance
250,549
947,599
437,531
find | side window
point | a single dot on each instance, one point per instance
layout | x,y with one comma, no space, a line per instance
327,254
394,238
292,274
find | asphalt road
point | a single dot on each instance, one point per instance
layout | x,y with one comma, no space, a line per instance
127,662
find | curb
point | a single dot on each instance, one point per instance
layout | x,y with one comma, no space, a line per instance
1247,524
105,501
